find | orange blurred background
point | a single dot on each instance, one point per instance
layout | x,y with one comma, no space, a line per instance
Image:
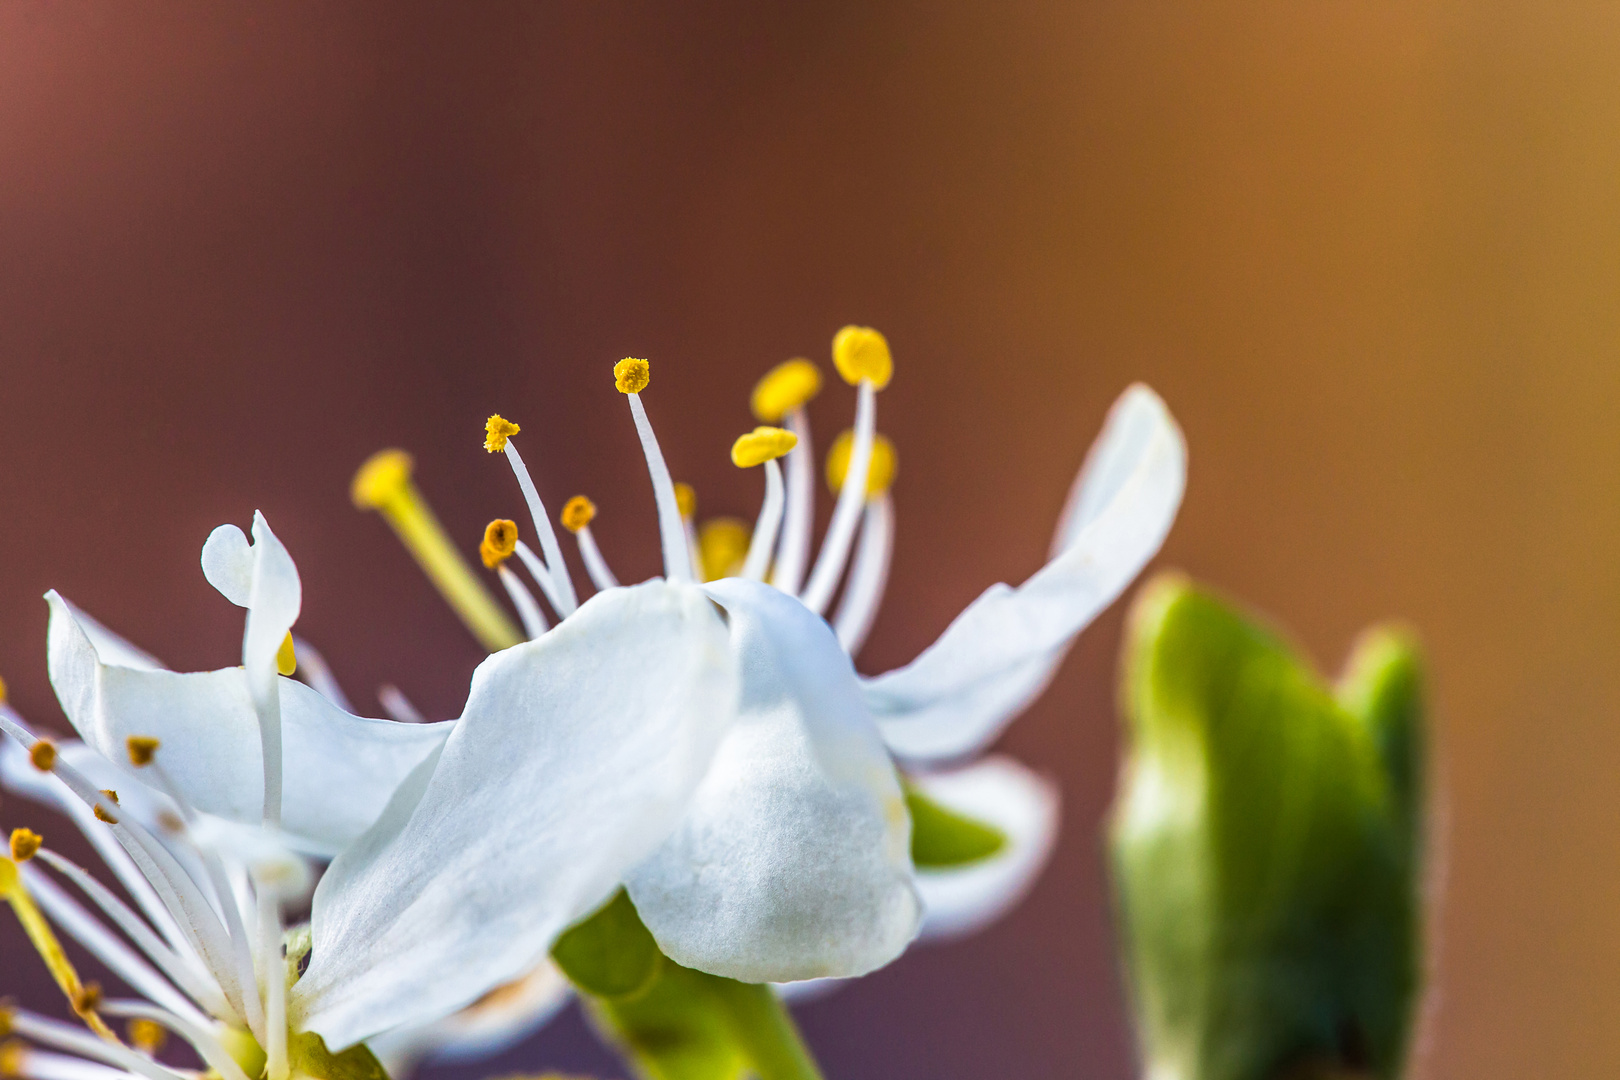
1368,251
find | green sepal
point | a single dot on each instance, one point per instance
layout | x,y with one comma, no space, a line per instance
942,838
308,1056
610,953
1263,846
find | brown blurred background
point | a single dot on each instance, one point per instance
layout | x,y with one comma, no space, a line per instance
1368,251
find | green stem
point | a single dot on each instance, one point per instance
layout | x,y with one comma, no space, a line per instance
766,1031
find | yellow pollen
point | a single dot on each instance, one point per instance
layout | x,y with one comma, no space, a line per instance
141,748
879,475
49,948
497,429
88,999
685,499
43,755
383,477
859,352
13,1057
2,691
784,388
761,445
102,815
286,656
631,376
722,547
24,842
149,1036
500,540
577,513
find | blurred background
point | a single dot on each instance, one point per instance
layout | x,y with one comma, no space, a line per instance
1368,251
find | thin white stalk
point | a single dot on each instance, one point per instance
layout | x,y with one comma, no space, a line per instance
528,608
66,1037
314,670
267,703
868,575
799,515
565,601
398,706
596,566
202,1039
765,526
847,514
542,577
44,1065
273,977
677,557
694,553
88,931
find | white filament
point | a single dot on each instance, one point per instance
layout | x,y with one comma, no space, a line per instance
847,514
677,556
398,706
801,508
542,577
314,670
564,599
210,1049
765,526
867,575
66,1037
273,977
595,565
44,1065
534,620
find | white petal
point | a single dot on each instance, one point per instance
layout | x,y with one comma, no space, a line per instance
1024,806
500,1019
274,601
1000,653
339,769
227,563
794,860
574,758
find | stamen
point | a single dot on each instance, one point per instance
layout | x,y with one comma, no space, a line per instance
50,950
274,980
287,656
497,429
799,515
847,513
106,815
316,673
534,620
147,1036
384,484
542,577
761,445
786,388
880,472
18,1059
43,755
578,513
686,502
722,547
398,707
141,749
55,1033
576,517
631,376
154,1020
561,590
685,499
500,540
24,842
765,527
859,352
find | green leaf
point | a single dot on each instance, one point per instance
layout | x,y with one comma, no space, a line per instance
609,954
941,837
1261,848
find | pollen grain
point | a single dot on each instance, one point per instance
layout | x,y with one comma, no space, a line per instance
631,376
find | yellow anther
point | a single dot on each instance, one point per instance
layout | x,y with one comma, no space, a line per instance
500,541
577,513
722,547
859,352
631,376
24,842
497,429
685,499
148,1036
286,656
384,484
102,815
40,935
382,478
784,388
43,755
5,1019
2,691
87,1000
141,749
879,475
761,445
13,1057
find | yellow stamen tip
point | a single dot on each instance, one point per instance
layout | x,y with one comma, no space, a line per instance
88,999
497,429
141,748
879,475
859,352
102,815
2,691
722,547
784,388
286,656
43,755
13,1057
578,513
761,445
500,540
685,499
24,842
631,376
381,478
148,1036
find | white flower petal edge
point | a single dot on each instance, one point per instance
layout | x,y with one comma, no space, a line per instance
574,758
1003,649
1024,806
500,1019
340,769
262,578
793,861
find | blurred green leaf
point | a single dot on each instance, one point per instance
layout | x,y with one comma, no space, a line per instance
1263,846
941,837
610,954
308,1056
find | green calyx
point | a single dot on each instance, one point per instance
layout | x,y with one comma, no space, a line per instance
942,838
1266,846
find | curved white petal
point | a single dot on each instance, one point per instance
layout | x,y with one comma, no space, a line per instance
340,769
500,1019
260,577
1024,806
794,859
574,758
227,563
1003,649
